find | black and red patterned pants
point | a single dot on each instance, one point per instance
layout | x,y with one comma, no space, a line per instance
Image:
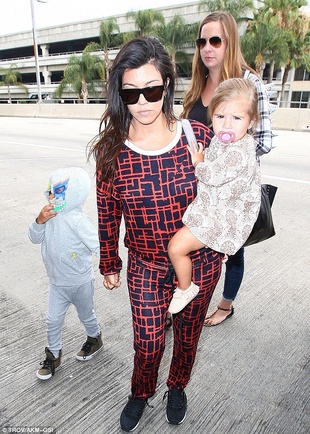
150,296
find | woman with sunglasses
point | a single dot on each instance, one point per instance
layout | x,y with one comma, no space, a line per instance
218,57
145,174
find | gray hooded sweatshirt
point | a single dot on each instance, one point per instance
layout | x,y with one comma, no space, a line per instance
69,239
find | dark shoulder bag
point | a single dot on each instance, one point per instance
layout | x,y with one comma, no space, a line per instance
263,227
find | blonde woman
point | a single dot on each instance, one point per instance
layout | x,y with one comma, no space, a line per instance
218,57
229,191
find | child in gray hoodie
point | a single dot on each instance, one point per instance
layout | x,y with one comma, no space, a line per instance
68,238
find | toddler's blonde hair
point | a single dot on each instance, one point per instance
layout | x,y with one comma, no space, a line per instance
234,89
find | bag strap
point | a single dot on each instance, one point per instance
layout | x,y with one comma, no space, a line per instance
246,73
188,130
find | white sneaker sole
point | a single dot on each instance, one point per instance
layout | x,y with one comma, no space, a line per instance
87,358
43,377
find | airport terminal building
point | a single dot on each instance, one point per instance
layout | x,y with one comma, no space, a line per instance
56,44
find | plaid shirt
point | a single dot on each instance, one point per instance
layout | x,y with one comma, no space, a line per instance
263,134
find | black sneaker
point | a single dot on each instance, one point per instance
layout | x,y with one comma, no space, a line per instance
176,406
90,348
49,365
132,412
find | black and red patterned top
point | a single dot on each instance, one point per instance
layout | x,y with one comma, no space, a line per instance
151,191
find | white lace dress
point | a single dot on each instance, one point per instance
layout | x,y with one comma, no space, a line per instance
228,195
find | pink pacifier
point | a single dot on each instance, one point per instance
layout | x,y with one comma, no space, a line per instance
226,136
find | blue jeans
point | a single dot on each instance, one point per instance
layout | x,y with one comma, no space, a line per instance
233,275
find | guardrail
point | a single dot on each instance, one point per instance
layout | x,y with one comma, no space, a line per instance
283,118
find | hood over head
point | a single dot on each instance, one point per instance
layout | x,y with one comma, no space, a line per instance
70,186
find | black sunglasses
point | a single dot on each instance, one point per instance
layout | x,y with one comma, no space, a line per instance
151,94
215,41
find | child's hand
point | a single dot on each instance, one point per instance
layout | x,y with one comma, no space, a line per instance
46,213
196,151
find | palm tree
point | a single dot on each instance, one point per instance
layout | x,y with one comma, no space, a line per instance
83,74
238,9
264,43
299,53
109,36
11,77
287,16
146,21
175,35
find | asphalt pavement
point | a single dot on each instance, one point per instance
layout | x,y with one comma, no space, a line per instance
251,374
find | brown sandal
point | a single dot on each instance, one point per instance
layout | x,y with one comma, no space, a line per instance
231,310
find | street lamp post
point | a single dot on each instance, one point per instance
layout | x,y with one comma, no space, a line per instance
35,46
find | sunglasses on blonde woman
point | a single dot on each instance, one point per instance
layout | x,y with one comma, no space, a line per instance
215,41
151,94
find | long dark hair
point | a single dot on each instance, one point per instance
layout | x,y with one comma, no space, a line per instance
115,122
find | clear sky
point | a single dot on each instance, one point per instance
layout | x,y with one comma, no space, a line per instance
15,15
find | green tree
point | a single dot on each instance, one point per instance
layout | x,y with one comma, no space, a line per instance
109,36
175,36
146,21
11,77
264,43
83,75
238,8
286,16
